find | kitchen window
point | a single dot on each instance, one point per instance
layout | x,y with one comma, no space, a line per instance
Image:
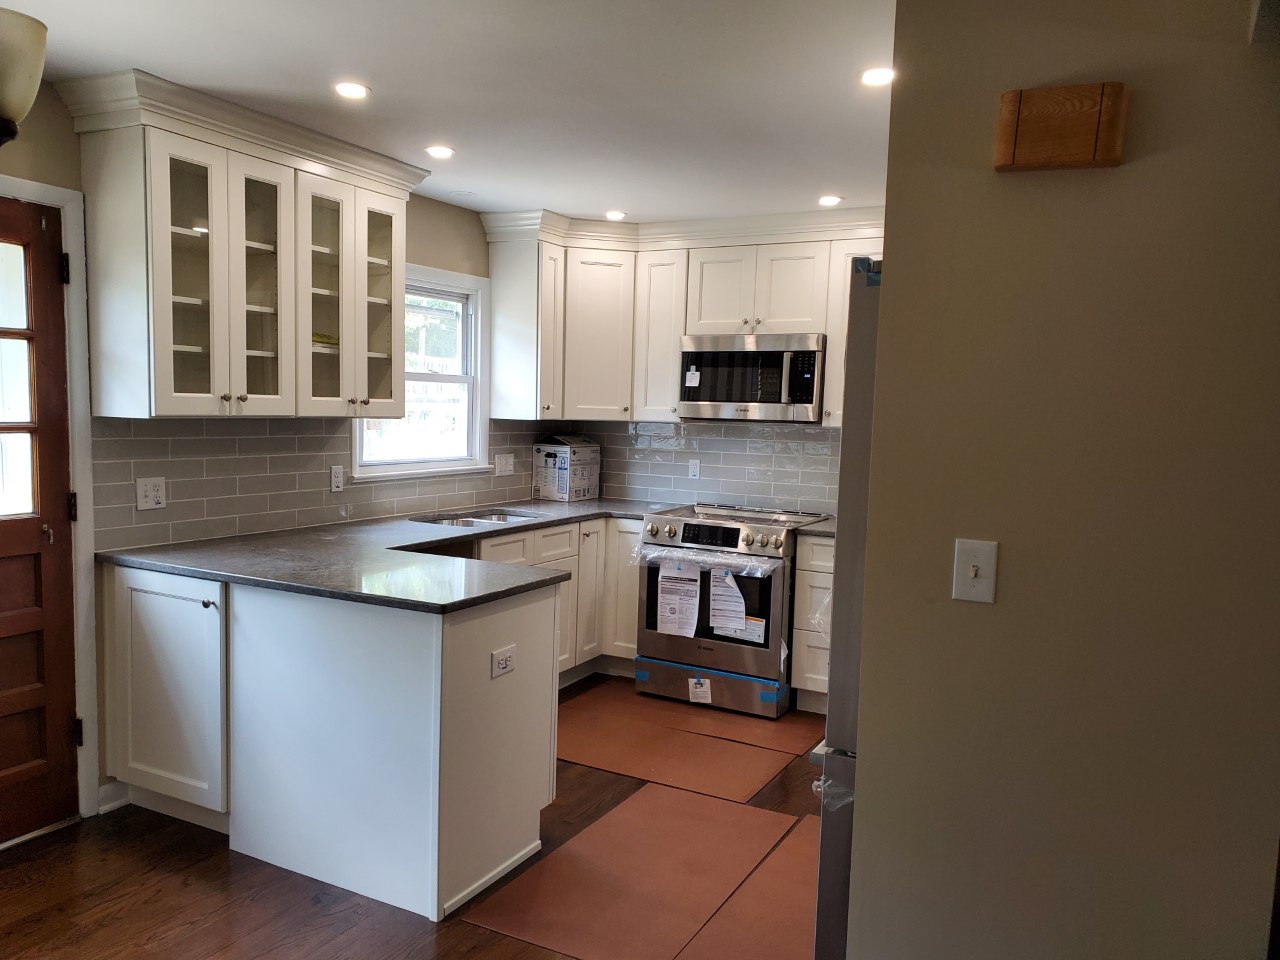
446,424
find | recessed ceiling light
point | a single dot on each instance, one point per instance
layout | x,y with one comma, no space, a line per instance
615,215
352,91
462,193
877,76
830,200
440,151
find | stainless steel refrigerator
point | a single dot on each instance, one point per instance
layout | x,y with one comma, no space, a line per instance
838,750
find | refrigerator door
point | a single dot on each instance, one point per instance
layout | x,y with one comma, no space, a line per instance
840,746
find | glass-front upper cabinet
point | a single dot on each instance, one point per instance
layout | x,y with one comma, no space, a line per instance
379,336
188,185
261,196
326,258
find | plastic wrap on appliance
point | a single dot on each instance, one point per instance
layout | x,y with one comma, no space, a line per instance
740,564
821,618
833,795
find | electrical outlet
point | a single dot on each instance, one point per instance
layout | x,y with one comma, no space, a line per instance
504,464
695,469
151,493
336,479
502,661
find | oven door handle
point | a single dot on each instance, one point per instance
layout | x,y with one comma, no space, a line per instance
786,376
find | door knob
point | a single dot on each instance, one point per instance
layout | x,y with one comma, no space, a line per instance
243,398
44,527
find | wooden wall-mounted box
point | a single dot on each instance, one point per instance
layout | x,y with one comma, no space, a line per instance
1056,128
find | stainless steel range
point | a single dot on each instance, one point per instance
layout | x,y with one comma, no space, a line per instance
715,606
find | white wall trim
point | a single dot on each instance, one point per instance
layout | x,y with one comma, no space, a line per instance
71,202
112,795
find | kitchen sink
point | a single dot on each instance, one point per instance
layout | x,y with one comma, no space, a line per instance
503,517
475,519
453,521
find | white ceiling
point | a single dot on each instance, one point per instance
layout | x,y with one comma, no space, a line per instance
667,109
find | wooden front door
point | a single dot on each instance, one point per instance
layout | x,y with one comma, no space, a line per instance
37,655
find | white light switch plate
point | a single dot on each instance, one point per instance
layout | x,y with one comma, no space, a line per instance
502,661
151,493
504,464
974,575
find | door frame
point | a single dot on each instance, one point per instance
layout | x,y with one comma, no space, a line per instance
71,202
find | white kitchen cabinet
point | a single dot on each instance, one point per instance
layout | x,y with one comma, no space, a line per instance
554,543
568,601
843,253
661,300
722,290
773,288
817,554
810,648
621,587
810,660
527,360
166,684
351,300
591,578
599,321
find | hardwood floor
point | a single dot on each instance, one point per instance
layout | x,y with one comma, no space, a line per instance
136,885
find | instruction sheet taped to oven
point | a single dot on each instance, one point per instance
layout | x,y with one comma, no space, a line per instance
728,609
679,589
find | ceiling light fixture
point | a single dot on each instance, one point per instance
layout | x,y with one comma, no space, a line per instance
22,44
877,76
829,200
352,91
462,193
440,151
615,215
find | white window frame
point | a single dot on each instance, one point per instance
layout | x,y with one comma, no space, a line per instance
476,289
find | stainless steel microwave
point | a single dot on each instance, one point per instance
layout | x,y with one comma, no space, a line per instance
763,376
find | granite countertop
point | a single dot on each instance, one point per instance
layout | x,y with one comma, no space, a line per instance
823,528
378,561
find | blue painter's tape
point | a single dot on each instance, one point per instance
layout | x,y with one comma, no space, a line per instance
703,672
775,696
642,676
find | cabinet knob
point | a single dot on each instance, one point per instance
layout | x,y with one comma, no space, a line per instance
226,398
243,398
625,409
745,321
826,413
206,604
351,400
757,321
546,406
364,402
673,409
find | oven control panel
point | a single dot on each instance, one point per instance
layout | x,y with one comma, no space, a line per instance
697,535
710,535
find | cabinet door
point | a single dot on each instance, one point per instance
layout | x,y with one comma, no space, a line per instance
551,307
326,298
621,588
188,206
263,342
591,551
599,320
791,287
379,339
661,297
816,553
839,287
513,548
167,685
810,660
567,595
812,590
554,543
722,289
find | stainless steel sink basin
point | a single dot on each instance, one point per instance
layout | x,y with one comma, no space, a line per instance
453,521
502,517
486,518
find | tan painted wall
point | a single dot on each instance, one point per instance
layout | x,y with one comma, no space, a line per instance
47,149
446,237
1084,366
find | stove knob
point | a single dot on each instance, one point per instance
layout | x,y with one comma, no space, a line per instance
670,531
748,539
777,541
652,529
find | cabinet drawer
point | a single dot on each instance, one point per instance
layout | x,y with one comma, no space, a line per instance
554,543
816,553
811,590
514,548
810,660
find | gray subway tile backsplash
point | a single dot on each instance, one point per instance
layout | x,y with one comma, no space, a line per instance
242,475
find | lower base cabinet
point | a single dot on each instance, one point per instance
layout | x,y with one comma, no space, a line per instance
621,588
166,684
811,642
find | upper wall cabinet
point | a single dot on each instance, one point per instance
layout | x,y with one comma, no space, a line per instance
230,273
773,288
527,361
661,280
843,253
599,318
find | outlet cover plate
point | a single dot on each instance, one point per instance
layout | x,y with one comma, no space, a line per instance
504,464
151,493
337,479
502,661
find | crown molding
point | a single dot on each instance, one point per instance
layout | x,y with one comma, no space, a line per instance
855,223
134,97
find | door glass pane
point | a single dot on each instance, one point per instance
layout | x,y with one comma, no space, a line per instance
262,296
15,381
378,267
16,463
13,287
189,245
435,426
326,292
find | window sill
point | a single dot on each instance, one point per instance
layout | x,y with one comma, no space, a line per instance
367,476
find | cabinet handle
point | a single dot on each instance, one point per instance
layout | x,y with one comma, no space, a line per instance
745,321
243,398
826,413
206,604
351,400
226,398
364,402
673,409
546,406
625,409
757,321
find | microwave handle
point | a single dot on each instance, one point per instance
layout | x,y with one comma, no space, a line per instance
786,376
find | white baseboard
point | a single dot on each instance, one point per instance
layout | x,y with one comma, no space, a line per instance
492,876
112,795
609,666
811,701
180,809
